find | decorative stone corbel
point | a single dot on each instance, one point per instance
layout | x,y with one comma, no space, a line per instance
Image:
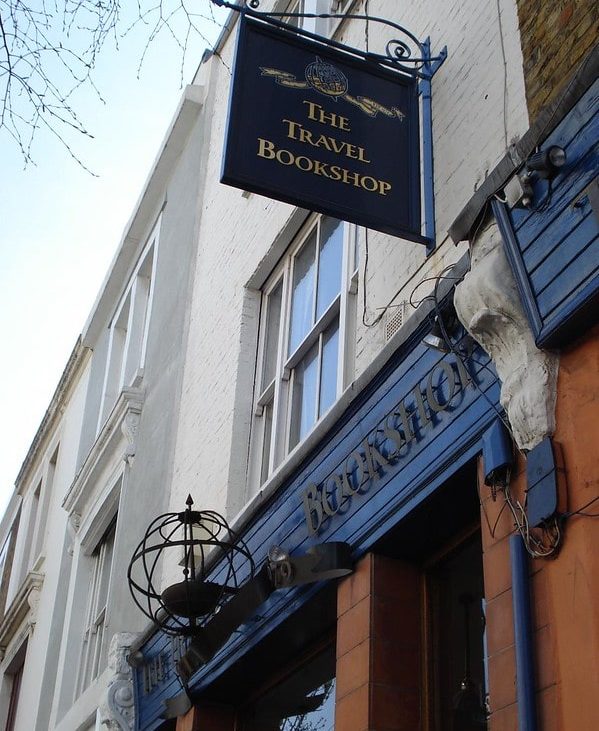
488,305
129,427
117,711
75,521
33,599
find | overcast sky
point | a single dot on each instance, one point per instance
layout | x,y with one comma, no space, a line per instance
60,225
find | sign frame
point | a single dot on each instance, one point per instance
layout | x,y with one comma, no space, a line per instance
410,228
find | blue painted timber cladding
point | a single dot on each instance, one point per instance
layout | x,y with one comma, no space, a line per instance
554,248
438,451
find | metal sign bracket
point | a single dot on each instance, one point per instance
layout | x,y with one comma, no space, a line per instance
405,54
430,67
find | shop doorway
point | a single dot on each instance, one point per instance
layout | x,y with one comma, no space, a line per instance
455,662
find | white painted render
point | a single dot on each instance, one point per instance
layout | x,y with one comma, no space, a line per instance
183,425
242,236
41,624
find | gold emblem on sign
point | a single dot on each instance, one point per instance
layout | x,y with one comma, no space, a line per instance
326,79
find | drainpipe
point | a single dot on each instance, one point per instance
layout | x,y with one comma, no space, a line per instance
525,675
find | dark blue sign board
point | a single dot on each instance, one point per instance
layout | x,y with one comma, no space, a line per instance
324,130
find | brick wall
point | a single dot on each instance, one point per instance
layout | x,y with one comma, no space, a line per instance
555,38
564,591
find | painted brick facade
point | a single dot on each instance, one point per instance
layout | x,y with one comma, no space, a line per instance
478,107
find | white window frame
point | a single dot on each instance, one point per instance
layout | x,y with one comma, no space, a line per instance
313,25
278,393
320,26
94,645
129,329
339,6
44,486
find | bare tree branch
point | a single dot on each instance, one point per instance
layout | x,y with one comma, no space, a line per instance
49,50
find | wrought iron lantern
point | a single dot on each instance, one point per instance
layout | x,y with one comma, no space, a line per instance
221,588
197,540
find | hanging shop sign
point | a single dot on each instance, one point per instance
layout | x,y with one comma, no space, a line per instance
386,445
321,129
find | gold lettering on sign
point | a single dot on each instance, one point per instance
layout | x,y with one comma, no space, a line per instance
295,131
319,114
268,151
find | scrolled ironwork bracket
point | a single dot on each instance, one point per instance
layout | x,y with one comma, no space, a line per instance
406,54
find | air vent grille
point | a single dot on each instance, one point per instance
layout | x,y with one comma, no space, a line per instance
395,319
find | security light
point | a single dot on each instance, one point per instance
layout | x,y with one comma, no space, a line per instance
547,163
444,326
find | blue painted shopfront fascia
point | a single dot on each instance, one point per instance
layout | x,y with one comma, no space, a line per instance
554,247
441,447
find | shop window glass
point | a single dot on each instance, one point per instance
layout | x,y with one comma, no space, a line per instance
329,269
303,293
303,701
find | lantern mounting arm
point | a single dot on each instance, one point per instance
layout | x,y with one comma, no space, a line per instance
406,53
319,563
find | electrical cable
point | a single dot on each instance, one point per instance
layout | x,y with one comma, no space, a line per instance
428,297
379,317
547,545
457,354
492,530
505,84
535,546
581,510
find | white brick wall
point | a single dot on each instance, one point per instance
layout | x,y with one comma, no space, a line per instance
237,233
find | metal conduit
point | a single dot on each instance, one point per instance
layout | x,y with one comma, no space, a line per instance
525,675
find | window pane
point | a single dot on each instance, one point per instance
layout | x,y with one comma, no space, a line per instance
303,701
303,406
318,711
296,7
105,559
267,439
328,376
273,319
303,293
329,267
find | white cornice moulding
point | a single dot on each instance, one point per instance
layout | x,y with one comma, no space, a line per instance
25,603
120,424
77,360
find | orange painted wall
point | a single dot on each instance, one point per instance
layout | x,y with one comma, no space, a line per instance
565,591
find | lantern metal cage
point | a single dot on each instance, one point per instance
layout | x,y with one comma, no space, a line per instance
202,539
